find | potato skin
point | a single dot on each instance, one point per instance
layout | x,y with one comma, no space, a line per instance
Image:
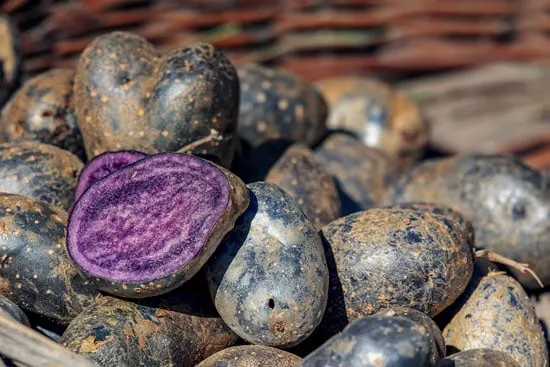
374,341
42,109
36,272
507,202
494,312
305,178
179,329
362,173
378,114
269,277
40,171
277,104
128,97
478,358
251,356
437,343
10,58
394,257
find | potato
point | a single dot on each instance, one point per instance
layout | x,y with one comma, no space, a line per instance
269,277
179,329
277,104
375,341
494,312
305,178
147,228
362,173
13,311
378,114
127,97
40,171
251,356
10,58
419,258
437,343
478,358
36,273
42,109
507,202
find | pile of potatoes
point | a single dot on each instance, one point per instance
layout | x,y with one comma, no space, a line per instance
176,210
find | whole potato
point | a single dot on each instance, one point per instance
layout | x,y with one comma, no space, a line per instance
42,109
276,104
494,312
128,97
305,178
251,356
375,341
507,202
362,173
378,114
179,329
419,258
269,277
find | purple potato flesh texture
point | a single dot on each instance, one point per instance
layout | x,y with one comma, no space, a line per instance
149,220
102,166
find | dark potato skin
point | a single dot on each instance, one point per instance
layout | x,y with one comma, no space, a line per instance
362,173
11,309
128,97
276,104
478,358
494,312
269,277
10,58
305,178
35,271
437,343
41,171
394,257
378,114
42,109
251,356
178,329
375,341
507,202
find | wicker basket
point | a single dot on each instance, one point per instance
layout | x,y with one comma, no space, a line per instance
315,38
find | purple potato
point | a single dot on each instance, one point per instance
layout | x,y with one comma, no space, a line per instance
251,356
150,226
178,329
42,109
10,58
507,202
36,272
276,104
102,166
269,276
375,341
40,171
128,97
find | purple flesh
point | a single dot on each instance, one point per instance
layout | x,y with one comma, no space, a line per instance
102,166
147,220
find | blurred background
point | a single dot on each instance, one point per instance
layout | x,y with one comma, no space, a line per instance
477,68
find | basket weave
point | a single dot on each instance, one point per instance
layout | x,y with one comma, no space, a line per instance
315,38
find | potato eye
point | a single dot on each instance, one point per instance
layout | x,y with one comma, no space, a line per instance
519,211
